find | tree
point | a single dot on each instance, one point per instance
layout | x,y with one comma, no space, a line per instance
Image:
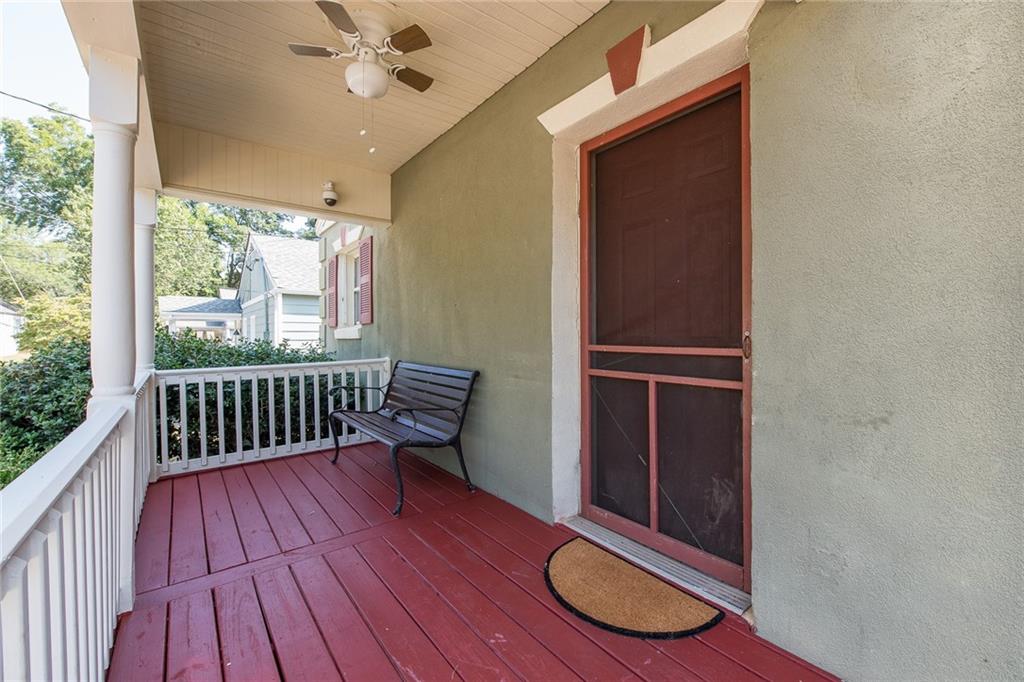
32,265
49,319
187,259
43,162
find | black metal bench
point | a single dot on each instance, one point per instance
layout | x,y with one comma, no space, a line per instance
423,406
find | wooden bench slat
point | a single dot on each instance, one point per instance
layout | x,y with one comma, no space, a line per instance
440,379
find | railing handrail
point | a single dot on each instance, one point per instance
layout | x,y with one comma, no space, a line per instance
34,492
267,368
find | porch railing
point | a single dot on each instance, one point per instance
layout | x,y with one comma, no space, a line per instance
68,523
66,530
215,417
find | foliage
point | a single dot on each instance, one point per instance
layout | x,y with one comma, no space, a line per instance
185,350
186,258
43,161
32,265
50,319
43,398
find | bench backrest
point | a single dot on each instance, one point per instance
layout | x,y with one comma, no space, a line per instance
415,385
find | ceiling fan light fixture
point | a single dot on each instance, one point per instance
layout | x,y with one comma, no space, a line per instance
367,79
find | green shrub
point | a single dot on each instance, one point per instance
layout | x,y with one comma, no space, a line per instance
43,398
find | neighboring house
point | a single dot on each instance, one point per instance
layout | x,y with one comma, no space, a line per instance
11,321
346,283
210,317
278,291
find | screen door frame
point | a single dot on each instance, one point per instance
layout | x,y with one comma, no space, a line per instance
737,575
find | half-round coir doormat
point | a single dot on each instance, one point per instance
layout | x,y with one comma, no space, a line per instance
613,594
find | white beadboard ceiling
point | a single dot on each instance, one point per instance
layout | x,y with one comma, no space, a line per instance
225,67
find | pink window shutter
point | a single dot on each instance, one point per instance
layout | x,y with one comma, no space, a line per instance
332,291
366,281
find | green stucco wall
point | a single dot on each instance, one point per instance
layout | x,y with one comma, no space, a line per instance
463,275
887,177
887,320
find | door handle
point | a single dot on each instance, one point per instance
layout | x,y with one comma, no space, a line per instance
747,346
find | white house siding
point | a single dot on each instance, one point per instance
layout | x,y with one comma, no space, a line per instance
300,319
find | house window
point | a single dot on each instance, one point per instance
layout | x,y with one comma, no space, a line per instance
354,288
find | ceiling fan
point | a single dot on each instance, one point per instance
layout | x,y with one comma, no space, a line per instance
370,75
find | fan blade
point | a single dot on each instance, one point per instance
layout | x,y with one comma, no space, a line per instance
414,79
310,50
408,39
338,16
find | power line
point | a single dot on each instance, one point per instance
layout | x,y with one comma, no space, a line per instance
45,106
11,275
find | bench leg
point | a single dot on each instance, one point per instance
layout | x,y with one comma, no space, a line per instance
398,480
334,434
462,462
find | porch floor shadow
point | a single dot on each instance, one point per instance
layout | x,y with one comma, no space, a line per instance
295,569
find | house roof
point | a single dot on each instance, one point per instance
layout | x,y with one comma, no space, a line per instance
199,305
292,263
9,307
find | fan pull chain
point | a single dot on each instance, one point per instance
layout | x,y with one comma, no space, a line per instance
373,149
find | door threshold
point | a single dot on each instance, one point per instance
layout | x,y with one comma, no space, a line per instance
715,591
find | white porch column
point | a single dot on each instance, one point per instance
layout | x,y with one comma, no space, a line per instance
114,110
145,223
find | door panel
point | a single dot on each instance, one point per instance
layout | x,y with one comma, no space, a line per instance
665,322
667,258
700,468
620,422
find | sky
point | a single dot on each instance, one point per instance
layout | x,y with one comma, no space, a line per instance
39,61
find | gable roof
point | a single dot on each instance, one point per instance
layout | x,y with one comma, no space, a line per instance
293,264
200,305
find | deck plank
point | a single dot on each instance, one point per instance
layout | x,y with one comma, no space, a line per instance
223,545
301,651
756,654
643,659
311,515
369,508
188,547
446,480
472,659
153,543
341,512
363,471
244,643
139,654
283,520
566,642
414,480
253,527
357,653
413,653
528,657
384,493
192,645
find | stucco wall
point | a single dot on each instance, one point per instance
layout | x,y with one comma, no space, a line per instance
463,275
887,248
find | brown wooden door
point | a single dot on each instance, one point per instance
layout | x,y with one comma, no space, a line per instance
666,329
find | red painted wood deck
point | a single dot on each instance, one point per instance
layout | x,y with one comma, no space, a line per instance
295,569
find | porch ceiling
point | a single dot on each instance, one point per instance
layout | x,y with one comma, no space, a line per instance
224,67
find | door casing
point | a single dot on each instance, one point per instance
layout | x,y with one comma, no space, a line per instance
726,571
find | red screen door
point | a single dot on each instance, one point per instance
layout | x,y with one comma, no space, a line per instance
666,330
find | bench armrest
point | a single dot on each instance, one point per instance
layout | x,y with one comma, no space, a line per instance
383,391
